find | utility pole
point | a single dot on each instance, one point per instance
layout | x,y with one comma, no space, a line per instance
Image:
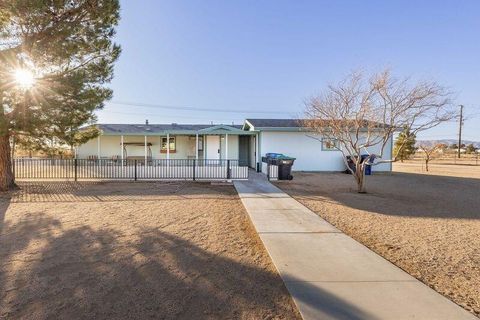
460,130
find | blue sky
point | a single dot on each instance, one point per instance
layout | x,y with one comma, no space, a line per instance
268,56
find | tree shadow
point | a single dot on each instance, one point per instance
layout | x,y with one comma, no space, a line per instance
86,273
396,194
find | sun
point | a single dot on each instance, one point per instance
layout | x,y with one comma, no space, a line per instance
24,78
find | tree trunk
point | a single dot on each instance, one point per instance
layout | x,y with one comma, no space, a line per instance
426,164
360,178
7,180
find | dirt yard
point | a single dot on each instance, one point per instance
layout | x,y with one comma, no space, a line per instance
176,250
429,225
437,169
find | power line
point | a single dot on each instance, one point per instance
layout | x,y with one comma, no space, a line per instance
189,108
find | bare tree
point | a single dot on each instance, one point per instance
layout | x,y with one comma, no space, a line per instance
429,152
360,114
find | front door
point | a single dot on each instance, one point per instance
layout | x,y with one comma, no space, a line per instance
243,150
213,147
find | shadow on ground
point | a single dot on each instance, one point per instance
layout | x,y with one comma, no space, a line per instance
396,194
85,273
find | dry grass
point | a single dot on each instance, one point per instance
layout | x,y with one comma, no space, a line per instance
134,251
427,224
439,169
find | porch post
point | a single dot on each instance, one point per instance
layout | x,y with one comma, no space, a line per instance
121,147
145,150
168,146
196,146
257,155
98,148
226,146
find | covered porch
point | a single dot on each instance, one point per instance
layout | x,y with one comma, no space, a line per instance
212,143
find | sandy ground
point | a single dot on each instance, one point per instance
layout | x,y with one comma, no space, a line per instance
134,251
428,225
438,169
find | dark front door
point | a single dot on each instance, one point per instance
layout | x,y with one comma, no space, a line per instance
243,148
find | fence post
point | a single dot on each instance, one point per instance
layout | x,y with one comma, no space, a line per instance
268,171
194,165
135,169
75,164
229,174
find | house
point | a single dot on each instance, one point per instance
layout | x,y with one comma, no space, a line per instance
244,144
312,153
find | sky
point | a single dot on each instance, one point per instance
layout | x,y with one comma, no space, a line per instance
204,61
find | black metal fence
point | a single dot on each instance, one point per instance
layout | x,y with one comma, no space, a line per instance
111,169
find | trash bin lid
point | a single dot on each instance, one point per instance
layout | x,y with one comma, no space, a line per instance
273,155
284,157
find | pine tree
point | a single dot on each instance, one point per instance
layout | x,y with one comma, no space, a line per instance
471,148
55,59
404,145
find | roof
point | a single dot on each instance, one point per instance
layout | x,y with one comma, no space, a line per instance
150,129
276,123
290,124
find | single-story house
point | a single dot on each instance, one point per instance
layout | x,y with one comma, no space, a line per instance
245,143
312,153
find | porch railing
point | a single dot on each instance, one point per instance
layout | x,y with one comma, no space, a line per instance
272,172
113,169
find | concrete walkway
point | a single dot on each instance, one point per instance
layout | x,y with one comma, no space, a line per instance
330,275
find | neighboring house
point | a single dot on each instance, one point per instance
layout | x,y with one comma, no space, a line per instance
245,143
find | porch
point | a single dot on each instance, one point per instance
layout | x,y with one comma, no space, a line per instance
212,143
153,152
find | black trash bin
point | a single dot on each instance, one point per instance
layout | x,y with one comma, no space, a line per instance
351,165
283,162
285,167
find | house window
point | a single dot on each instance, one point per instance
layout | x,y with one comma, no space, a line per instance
200,144
171,144
330,144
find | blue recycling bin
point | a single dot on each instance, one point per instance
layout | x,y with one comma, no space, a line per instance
368,167
368,170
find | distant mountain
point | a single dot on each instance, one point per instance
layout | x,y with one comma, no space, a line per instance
448,142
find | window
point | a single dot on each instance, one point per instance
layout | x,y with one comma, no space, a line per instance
330,145
200,144
171,145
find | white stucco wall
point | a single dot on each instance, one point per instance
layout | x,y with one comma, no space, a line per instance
308,151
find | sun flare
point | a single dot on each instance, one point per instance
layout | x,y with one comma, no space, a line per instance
24,78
